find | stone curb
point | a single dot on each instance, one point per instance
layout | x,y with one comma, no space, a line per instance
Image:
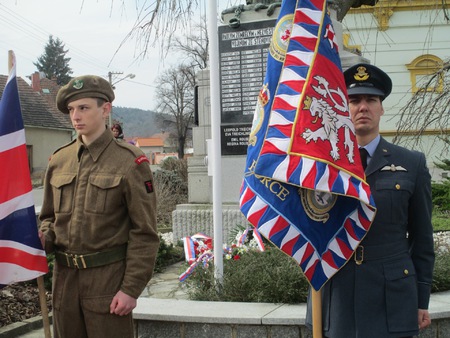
20,328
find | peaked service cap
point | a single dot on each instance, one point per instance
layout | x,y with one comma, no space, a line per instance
86,86
364,78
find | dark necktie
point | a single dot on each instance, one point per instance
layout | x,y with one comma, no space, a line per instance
363,153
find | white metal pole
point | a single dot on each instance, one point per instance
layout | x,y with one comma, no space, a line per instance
215,135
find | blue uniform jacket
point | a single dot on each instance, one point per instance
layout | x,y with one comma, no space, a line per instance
381,296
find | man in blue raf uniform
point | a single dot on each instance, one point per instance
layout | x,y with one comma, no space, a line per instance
384,290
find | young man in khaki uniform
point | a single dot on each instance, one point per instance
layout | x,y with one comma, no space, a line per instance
99,218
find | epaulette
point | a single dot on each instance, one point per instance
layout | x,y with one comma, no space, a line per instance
64,146
137,152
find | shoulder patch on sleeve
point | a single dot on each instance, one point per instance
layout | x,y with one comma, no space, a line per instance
149,186
141,159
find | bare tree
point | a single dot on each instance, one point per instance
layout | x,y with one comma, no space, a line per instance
194,46
175,99
158,20
427,110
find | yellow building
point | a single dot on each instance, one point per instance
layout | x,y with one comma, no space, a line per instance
409,39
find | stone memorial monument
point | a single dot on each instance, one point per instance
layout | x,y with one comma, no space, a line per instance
244,39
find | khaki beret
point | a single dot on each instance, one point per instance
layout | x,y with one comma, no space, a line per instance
86,86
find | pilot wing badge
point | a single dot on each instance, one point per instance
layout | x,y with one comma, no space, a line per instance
393,167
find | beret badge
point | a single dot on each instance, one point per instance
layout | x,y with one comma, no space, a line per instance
361,74
78,84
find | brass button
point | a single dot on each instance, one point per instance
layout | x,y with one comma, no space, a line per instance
406,272
397,186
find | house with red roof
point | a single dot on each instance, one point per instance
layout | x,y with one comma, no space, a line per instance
46,128
154,148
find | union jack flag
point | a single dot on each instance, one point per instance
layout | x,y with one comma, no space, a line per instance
21,254
304,187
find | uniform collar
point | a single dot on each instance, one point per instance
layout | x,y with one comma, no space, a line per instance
97,147
380,157
372,145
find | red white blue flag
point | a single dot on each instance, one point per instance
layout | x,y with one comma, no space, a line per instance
21,254
304,187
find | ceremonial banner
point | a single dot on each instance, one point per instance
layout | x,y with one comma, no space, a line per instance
304,187
21,254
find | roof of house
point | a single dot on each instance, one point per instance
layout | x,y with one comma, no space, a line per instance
48,90
163,135
149,142
36,110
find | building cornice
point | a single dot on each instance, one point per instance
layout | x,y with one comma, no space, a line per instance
384,9
433,132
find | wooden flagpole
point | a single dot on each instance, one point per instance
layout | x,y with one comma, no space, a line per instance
44,309
10,60
316,298
40,279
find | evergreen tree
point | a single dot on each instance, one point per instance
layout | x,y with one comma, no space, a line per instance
54,63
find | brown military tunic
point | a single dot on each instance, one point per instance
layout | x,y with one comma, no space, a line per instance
100,197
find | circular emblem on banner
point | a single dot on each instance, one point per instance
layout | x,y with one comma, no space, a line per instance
258,116
317,204
280,37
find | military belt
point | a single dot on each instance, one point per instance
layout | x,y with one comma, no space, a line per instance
382,251
91,260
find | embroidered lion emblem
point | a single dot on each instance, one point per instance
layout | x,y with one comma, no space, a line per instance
331,121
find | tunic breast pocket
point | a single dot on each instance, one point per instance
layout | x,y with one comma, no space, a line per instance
392,197
63,189
103,193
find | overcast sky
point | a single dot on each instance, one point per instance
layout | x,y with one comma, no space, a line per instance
92,31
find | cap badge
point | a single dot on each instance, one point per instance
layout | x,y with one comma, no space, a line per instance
78,84
361,74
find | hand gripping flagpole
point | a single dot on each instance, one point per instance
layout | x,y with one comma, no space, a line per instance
40,279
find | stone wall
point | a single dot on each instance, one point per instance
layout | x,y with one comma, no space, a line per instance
171,318
189,219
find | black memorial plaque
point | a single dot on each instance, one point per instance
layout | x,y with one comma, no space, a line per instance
243,56
234,139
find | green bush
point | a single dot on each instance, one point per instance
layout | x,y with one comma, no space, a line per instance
168,254
171,188
269,276
177,166
441,277
273,277
441,194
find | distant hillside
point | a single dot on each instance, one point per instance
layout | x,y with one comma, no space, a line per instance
135,122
